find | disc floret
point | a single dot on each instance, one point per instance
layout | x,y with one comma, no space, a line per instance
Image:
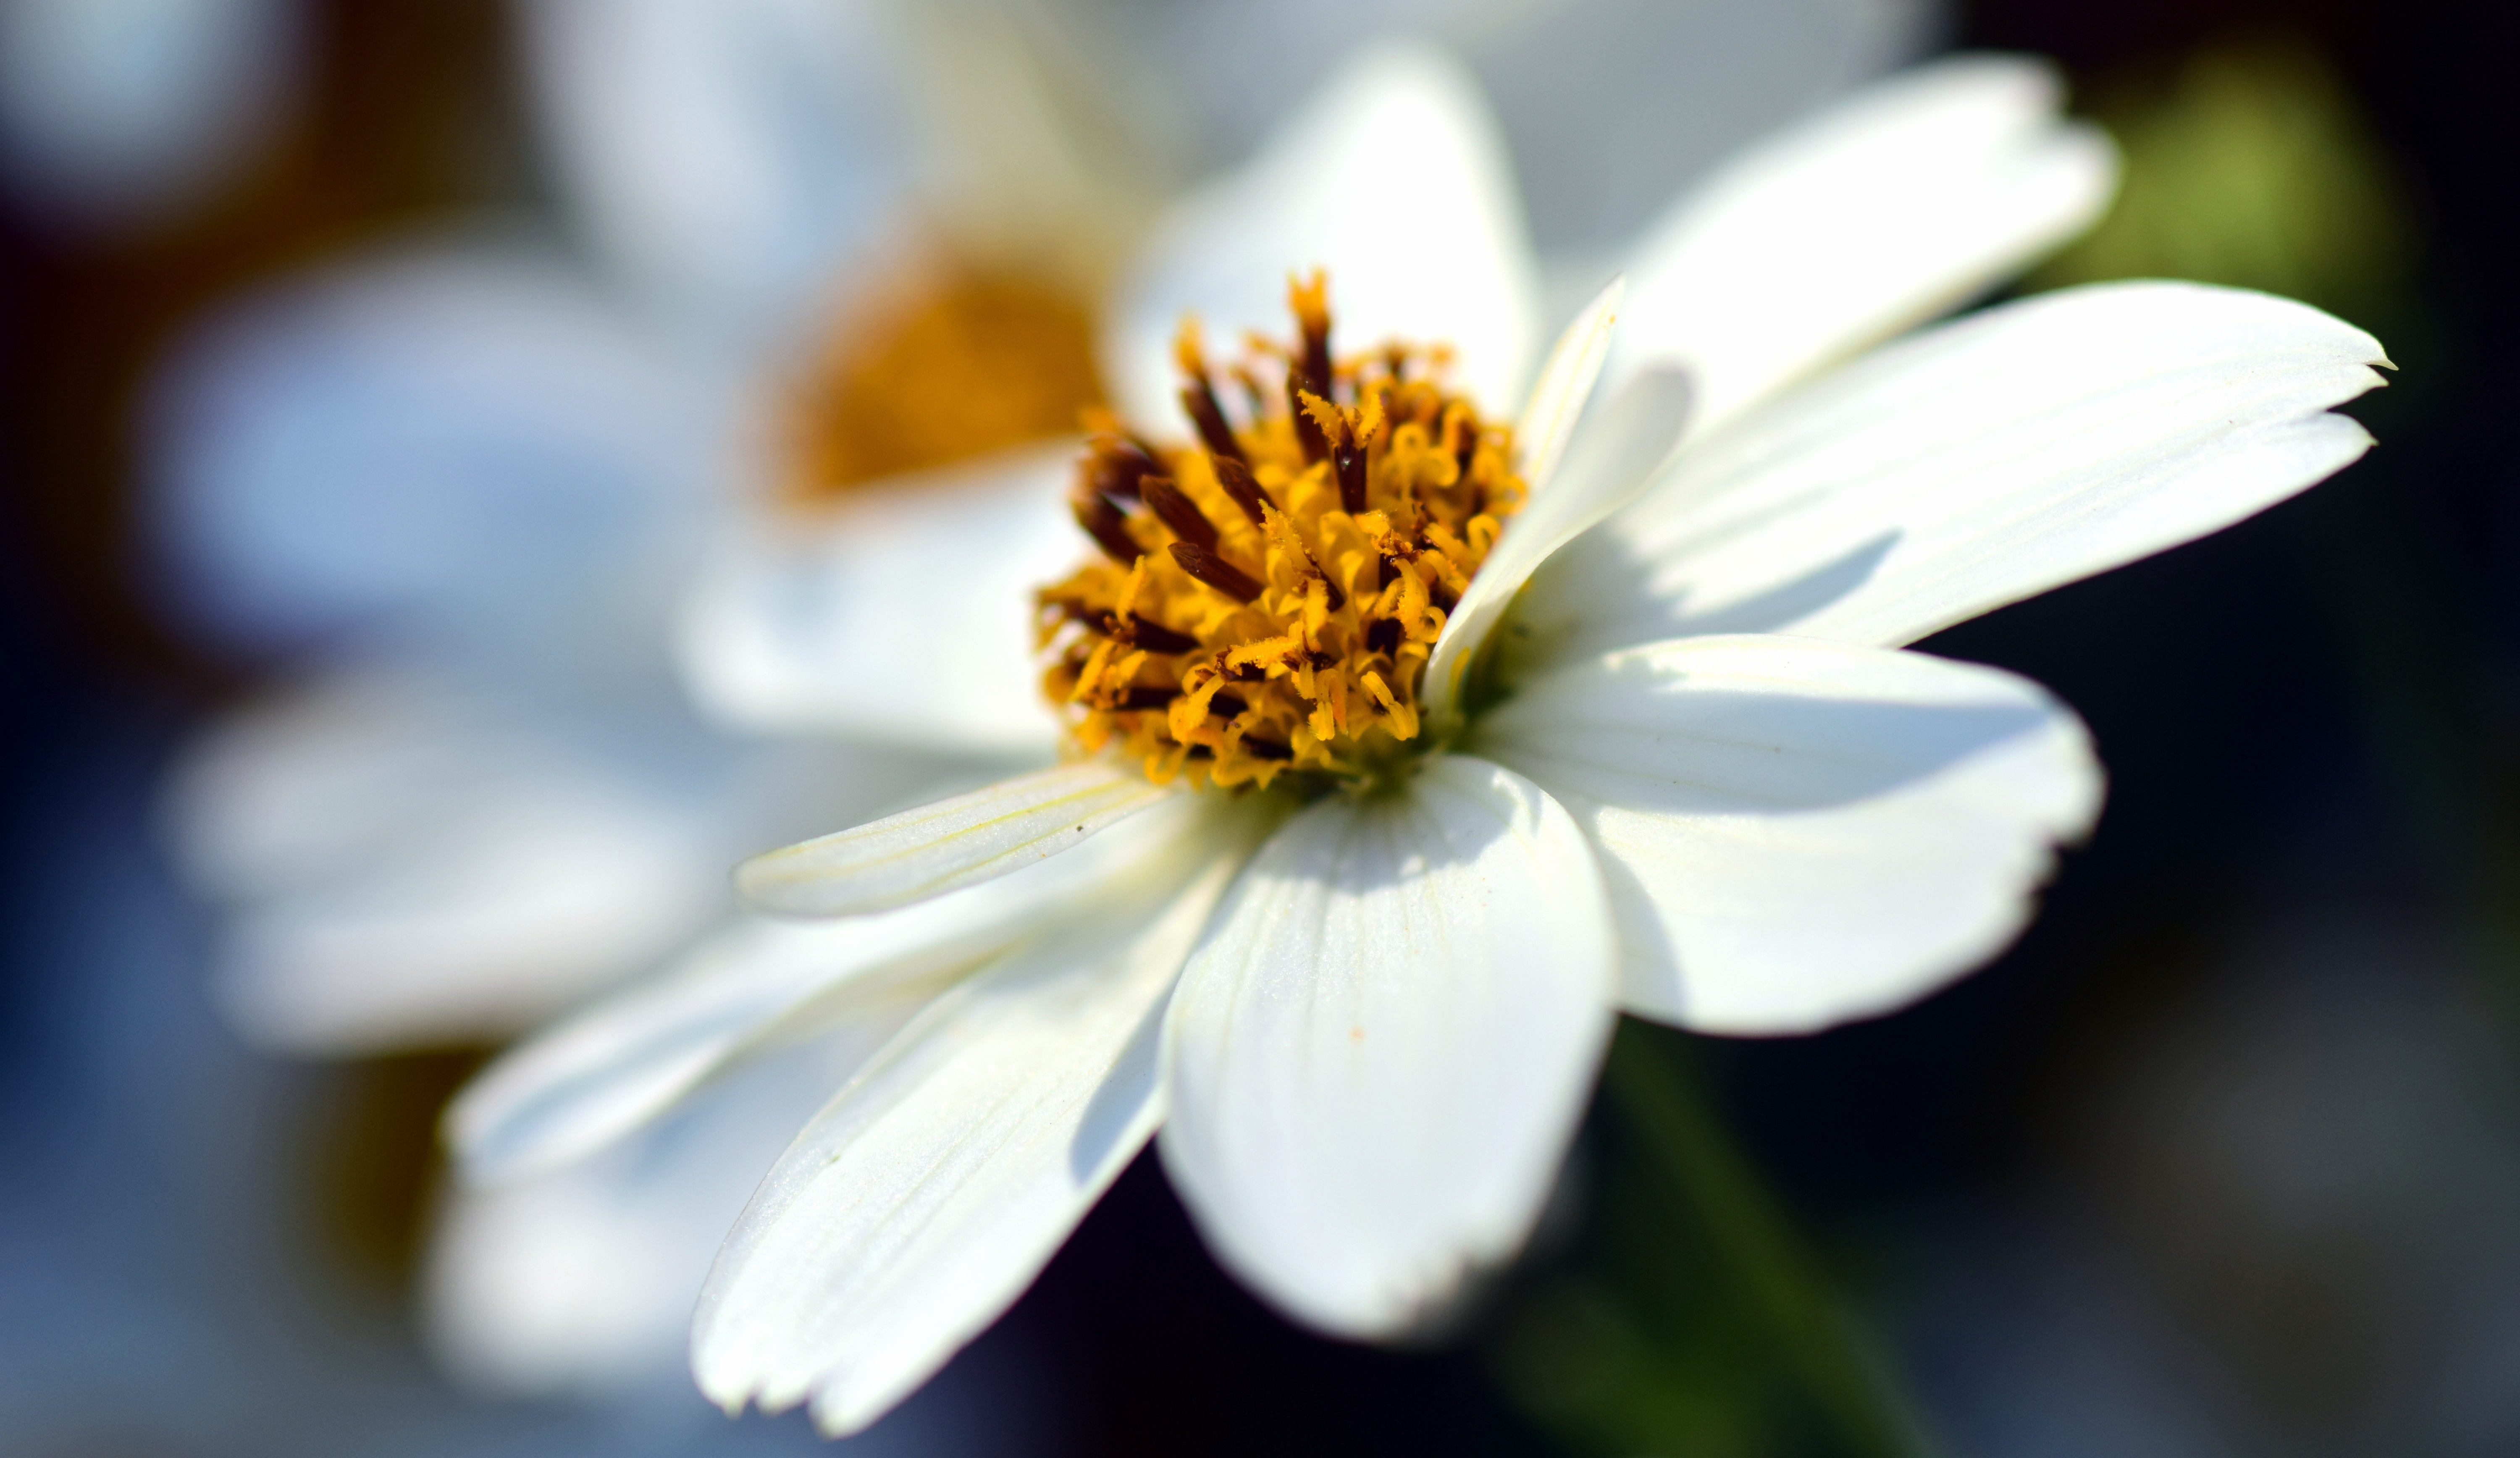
1266,599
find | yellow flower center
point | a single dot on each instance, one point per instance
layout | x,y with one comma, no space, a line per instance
956,363
1266,599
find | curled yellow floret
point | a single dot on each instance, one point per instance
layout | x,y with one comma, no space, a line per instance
1265,599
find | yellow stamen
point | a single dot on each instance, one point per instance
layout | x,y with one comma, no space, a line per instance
1294,641
1187,352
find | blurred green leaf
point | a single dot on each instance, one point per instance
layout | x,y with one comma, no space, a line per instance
2248,164
1691,1320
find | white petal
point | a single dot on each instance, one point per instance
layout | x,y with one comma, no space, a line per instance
581,1280
1879,213
615,1066
1432,249
1794,832
1384,1043
441,433
326,773
1982,463
722,152
1565,383
1614,108
921,1203
408,851
404,865
519,906
602,1074
951,844
903,613
1612,462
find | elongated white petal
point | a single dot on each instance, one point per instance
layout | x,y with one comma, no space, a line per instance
1564,385
1430,250
1795,832
604,1072
904,612
580,1280
946,846
612,1068
921,1203
408,852
469,433
331,771
516,907
403,864
1612,464
1882,212
1382,1045
1982,463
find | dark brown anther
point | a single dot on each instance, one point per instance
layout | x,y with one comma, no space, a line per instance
1198,401
1117,467
1215,571
1322,660
1110,530
1156,637
1468,449
1254,394
1144,699
1317,353
1179,511
1308,431
1266,749
1227,705
1382,636
1240,484
1347,459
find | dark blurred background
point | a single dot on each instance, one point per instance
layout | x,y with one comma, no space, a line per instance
2224,1157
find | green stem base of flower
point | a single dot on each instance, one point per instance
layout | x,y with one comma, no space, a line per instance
1688,1318
1780,1283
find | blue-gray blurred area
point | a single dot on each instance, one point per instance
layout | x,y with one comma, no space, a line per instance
2223,1158
205,1251
116,115
202,1250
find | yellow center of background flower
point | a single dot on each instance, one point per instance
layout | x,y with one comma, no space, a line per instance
953,364
1267,598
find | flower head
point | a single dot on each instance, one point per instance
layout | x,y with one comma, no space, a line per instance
1656,748
1268,597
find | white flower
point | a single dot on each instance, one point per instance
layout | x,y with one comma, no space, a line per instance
460,482
465,479
1718,793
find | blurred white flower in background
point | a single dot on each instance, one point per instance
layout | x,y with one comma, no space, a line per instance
460,482
457,483
1726,800
118,113
181,1276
